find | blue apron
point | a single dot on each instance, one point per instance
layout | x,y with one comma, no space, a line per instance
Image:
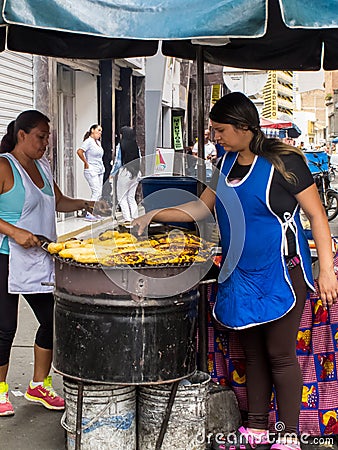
254,284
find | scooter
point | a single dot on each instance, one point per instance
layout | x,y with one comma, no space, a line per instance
328,195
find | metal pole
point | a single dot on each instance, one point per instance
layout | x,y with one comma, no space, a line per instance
167,413
203,328
200,119
203,301
79,416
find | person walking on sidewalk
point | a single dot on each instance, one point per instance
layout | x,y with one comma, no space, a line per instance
210,153
127,166
91,153
266,272
28,200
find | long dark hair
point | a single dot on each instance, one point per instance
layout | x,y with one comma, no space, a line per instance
238,110
89,132
129,151
25,121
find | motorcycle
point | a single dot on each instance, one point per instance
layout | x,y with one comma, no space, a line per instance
328,195
333,167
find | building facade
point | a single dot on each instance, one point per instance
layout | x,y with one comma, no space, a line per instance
278,95
16,86
331,101
74,94
313,101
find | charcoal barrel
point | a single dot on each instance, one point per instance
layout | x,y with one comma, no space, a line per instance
117,339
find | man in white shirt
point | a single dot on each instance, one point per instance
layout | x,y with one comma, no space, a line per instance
210,153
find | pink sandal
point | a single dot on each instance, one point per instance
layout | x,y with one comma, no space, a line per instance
285,446
243,439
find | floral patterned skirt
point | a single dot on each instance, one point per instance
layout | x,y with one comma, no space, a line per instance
317,352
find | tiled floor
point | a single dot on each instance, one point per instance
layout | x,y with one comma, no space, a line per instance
77,226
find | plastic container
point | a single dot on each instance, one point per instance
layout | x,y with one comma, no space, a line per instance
320,158
166,191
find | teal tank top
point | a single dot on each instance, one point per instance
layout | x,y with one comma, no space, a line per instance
11,202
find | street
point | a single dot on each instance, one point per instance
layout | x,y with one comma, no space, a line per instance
334,223
157,69
34,427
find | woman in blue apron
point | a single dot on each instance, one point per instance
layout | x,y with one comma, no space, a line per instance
28,200
266,272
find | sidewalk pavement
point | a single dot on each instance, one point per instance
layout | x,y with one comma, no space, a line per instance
34,427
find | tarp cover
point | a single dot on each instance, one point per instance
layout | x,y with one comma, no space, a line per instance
306,40
310,14
271,34
136,19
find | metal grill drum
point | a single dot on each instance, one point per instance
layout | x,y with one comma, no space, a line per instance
103,334
126,324
117,341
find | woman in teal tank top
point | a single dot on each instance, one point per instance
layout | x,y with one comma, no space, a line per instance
28,200
11,202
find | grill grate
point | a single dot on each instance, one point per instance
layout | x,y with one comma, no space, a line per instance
71,262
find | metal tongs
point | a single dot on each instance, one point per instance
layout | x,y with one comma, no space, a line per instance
45,241
216,251
151,229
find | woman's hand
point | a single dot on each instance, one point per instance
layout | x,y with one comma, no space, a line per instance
102,208
142,222
327,281
328,287
88,205
25,238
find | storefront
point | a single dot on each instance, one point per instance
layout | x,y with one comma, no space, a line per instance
16,86
77,110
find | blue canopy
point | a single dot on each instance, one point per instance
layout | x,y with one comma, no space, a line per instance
299,36
135,19
241,33
291,132
310,14
115,28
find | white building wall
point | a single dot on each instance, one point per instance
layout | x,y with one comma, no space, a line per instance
86,111
154,82
16,86
302,119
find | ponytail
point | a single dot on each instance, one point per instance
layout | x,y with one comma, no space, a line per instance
89,132
26,121
8,141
